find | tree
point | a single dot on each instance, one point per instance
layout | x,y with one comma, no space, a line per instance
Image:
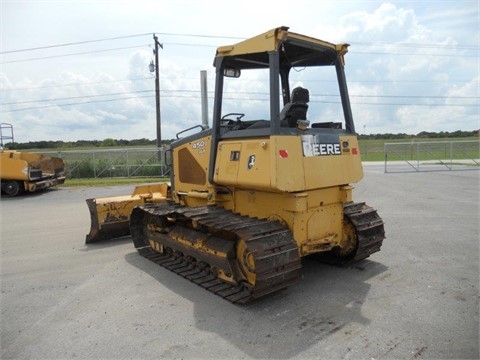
109,142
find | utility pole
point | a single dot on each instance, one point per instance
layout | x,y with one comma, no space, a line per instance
157,92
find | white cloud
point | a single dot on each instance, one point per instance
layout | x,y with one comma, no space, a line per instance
381,69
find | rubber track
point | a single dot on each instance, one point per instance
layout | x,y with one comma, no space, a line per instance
368,227
276,255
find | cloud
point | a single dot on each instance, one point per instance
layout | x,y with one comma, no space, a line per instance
387,23
405,59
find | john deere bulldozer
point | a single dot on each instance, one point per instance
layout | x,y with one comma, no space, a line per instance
268,184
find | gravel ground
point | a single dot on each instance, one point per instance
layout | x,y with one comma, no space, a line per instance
418,298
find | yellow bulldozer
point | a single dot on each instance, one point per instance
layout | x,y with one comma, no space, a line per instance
262,188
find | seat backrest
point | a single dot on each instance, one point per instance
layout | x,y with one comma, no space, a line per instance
296,109
300,95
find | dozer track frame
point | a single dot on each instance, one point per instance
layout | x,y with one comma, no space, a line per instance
169,235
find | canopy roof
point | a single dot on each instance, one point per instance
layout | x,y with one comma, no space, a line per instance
295,50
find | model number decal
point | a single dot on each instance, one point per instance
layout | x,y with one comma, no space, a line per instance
199,144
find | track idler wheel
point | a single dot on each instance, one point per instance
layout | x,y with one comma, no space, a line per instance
246,262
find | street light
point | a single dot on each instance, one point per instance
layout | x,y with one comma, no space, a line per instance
154,67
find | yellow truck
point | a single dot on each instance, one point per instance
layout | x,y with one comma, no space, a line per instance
22,171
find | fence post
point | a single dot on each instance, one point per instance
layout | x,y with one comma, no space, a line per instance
385,157
94,167
128,167
418,156
451,155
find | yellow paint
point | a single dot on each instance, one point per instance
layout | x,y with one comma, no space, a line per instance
156,246
270,41
118,208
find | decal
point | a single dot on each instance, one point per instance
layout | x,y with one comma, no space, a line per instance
283,154
251,162
199,144
234,155
320,145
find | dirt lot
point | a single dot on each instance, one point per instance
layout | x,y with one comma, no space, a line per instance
417,298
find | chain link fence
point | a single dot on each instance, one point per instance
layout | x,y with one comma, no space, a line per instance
432,156
114,163
150,162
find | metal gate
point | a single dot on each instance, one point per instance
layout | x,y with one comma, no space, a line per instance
432,156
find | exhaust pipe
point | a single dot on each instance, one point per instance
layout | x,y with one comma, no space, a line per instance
204,92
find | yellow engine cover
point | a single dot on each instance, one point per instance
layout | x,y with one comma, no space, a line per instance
301,181
288,163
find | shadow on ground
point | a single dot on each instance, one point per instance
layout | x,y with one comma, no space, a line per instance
321,304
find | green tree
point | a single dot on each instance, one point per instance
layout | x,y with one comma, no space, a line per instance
109,142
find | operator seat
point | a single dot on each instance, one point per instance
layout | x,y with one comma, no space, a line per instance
296,109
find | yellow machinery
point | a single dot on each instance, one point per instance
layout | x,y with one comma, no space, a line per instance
25,171
255,193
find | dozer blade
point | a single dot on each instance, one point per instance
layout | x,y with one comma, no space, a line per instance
110,216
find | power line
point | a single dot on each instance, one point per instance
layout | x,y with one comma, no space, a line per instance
196,79
72,43
76,84
244,93
360,43
72,54
118,38
76,97
214,46
201,36
356,52
410,96
77,103
431,46
228,98
412,54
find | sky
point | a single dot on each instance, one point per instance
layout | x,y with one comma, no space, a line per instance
78,70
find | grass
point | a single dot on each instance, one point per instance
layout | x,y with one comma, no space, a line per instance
373,149
112,181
